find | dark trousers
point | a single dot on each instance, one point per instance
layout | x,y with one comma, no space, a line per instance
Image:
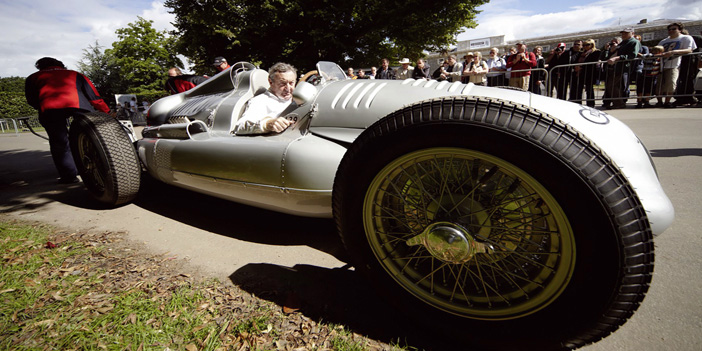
534,85
561,86
615,81
620,94
55,123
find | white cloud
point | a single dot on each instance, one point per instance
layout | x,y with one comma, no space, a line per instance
62,29
503,17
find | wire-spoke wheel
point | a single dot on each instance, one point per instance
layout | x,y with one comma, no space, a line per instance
494,225
469,233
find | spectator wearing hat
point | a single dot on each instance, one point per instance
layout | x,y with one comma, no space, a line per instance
521,64
58,93
556,58
496,68
467,60
626,51
405,71
220,64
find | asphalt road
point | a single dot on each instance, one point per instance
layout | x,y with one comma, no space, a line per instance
266,252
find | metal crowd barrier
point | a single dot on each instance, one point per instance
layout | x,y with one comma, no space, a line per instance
4,125
599,81
535,72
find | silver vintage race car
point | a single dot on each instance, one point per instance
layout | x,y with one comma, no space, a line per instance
502,218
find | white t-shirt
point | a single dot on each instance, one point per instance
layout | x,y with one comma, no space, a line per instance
259,108
681,42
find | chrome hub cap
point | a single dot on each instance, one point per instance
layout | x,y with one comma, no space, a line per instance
449,243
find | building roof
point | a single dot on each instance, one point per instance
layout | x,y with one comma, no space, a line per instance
640,27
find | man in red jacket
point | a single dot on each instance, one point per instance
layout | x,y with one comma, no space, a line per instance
178,82
57,93
521,61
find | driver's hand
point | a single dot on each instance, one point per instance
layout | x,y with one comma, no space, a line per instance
277,124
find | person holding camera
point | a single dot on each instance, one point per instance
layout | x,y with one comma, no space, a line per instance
521,64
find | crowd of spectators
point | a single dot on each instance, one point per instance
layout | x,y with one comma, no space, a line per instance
662,71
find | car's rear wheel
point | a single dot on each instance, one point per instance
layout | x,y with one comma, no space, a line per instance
105,158
494,223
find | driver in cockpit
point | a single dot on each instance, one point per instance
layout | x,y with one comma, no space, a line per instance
263,111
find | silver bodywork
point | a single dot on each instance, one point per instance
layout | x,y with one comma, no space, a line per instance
293,172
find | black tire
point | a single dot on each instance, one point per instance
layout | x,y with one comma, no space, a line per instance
567,251
105,157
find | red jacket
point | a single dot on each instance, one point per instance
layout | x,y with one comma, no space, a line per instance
517,63
179,84
59,88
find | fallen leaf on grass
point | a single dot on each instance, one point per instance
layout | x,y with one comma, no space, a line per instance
292,304
48,322
57,296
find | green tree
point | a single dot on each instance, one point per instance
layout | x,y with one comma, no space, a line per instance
142,56
102,70
305,31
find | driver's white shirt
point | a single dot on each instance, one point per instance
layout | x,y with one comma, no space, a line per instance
259,109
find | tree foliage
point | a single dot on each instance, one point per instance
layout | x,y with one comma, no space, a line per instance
303,32
14,104
102,70
141,58
12,84
12,101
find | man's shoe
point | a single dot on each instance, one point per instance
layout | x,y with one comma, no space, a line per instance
668,105
68,180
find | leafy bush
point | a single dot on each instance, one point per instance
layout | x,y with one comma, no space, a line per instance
13,105
12,84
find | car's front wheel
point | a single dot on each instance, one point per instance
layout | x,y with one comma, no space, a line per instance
494,223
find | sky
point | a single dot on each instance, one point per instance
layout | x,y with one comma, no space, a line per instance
64,28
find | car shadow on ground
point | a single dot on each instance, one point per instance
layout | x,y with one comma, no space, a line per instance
676,152
339,296
238,221
332,295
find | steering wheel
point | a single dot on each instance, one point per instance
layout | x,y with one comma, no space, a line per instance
311,77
